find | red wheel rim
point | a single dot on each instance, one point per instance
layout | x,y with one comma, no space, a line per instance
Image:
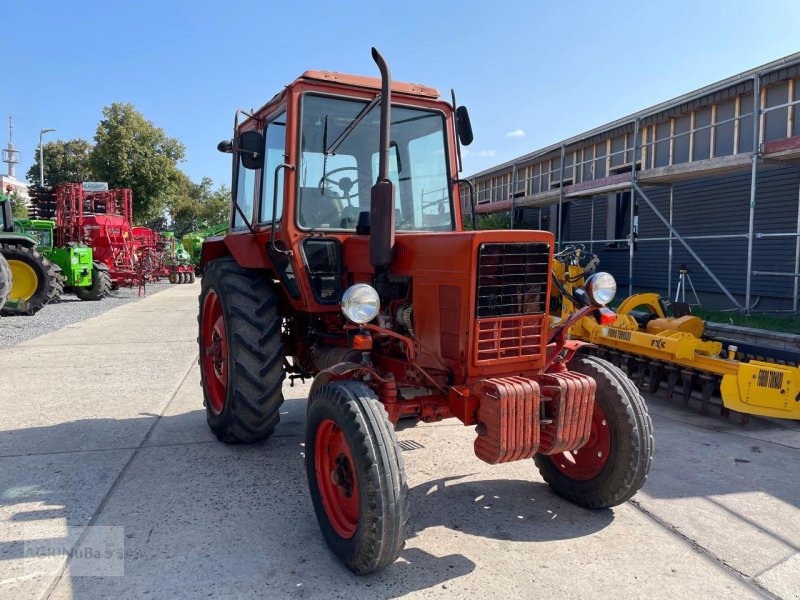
336,478
215,352
587,462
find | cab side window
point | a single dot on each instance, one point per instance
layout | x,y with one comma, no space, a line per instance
245,193
275,154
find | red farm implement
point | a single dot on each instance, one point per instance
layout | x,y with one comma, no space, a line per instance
100,219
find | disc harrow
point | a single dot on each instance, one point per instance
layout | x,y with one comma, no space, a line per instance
656,349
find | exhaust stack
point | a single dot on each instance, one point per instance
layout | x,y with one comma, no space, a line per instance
381,244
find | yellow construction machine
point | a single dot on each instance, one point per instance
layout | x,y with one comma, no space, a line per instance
655,346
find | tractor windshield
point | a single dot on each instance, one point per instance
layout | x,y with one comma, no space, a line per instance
334,186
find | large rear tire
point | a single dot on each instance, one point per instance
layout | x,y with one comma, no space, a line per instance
611,467
5,280
241,354
101,285
356,476
34,279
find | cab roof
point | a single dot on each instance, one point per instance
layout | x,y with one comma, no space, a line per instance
372,83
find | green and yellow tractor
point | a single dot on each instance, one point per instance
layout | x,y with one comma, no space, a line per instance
35,280
193,242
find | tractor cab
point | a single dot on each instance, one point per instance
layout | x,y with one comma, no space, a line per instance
41,230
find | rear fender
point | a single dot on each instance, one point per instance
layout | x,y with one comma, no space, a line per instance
212,249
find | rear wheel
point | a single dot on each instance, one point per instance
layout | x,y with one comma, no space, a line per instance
101,285
5,280
611,467
34,279
356,477
241,354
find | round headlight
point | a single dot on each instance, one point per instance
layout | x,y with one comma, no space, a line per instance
601,288
360,303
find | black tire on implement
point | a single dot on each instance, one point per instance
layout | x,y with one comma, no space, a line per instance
255,372
5,280
377,463
48,286
101,285
631,434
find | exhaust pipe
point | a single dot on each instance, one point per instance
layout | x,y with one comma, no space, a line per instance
381,243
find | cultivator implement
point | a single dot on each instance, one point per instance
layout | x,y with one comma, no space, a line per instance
656,350
100,219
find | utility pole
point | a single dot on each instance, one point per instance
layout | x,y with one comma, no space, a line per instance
41,155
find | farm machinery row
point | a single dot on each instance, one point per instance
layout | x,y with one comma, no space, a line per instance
83,241
660,343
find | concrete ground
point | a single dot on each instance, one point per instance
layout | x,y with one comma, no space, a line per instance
718,517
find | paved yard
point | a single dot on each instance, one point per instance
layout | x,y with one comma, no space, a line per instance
128,447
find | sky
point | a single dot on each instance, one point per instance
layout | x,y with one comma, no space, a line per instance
531,73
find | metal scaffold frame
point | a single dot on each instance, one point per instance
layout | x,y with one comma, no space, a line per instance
635,187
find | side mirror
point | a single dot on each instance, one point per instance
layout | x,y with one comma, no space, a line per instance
463,126
225,146
251,148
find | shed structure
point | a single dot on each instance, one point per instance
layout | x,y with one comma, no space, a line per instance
710,180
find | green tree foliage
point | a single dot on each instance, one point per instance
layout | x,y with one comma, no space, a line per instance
18,206
64,162
499,220
131,152
197,205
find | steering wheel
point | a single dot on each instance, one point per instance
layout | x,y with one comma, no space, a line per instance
345,183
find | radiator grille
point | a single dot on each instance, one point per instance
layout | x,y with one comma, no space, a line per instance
511,301
512,279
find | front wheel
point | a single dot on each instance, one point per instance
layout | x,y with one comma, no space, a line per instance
611,467
356,476
99,288
241,354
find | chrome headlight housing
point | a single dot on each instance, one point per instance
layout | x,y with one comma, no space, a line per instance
601,288
360,303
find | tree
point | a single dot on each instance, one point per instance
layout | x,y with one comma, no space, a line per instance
131,152
197,206
64,162
19,207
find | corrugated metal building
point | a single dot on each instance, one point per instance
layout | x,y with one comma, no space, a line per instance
716,186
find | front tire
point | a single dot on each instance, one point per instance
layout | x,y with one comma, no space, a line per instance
611,467
241,354
356,476
5,280
34,279
101,285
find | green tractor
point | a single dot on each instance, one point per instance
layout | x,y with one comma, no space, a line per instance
193,242
74,260
177,260
35,280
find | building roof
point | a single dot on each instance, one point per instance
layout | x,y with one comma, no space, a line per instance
792,60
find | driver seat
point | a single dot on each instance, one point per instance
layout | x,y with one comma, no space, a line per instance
319,207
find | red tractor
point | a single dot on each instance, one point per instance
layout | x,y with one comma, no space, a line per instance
346,262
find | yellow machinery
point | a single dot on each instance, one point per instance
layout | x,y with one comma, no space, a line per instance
657,347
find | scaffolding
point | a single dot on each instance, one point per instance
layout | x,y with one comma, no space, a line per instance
649,150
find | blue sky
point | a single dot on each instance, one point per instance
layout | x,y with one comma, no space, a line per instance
542,71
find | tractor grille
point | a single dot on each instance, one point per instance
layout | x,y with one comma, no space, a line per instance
512,279
511,301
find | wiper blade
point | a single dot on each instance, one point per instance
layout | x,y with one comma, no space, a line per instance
353,124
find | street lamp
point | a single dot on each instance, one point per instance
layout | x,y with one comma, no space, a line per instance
41,155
